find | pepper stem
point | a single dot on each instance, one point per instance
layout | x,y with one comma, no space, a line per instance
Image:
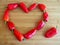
5,22
24,39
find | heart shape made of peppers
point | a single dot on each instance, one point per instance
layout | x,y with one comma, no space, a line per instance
22,5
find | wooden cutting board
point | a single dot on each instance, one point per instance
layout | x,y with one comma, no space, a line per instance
24,22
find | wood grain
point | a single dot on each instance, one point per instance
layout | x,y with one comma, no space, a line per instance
24,22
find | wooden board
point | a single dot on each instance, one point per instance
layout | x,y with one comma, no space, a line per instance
24,22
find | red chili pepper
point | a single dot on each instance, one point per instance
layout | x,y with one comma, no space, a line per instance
10,25
40,25
45,16
6,15
32,7
18,35
12,6
51,32
42,7
23,7
30,33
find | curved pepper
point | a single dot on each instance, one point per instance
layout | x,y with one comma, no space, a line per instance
12,6
42,7
6,15
40,25
18,35
23,7
45,16
10,25
51,32
32,7
30,33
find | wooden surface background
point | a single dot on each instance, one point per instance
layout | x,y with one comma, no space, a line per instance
24,22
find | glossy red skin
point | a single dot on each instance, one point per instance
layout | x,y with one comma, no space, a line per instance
10,25
23,7
12,6
45,16
32,7
18,35
51,32
42,7
40,25
6,15
30,33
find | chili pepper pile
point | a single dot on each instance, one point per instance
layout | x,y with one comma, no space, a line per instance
50,33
